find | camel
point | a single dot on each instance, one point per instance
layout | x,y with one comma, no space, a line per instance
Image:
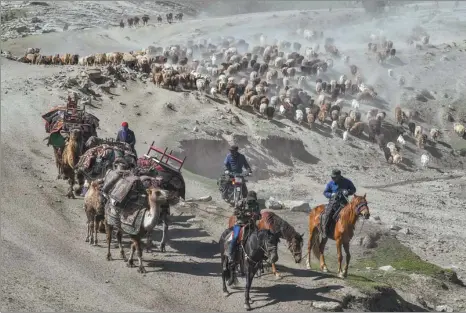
94,208
70,158
156,199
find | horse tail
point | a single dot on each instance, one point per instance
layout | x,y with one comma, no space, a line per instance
315,243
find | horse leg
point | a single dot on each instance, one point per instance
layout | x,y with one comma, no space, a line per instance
225,270
309,247
274,271
348,258
165,232
340,257
323,266
109,231
133,248
141,268
119,236
250,272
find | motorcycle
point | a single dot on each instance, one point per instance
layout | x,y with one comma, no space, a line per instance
235,185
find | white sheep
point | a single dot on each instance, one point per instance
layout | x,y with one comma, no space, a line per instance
345,135
299,116
320,100
390,73
355,104
424,160
200,84
397,158
401,140
318,87
329,63
282,109
392,147
231,80
417,131
342,79
334,126
262,108
340,102
333,85
459,129
213,91
381,116
253,75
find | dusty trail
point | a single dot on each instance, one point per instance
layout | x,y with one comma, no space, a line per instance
48,266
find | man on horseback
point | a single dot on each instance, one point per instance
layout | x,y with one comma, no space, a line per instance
337,191
244,212
234,163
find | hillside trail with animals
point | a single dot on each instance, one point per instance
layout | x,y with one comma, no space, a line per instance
104,219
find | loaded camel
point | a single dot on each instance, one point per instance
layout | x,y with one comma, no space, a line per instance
69,160
156,199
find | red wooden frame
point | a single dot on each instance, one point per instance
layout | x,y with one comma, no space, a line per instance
164,154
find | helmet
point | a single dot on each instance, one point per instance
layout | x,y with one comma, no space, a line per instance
252,196
234,148
124,124
335,173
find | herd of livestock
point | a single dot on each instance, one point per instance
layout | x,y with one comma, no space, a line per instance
134,21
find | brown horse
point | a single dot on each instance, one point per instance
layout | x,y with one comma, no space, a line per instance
344,231
274,223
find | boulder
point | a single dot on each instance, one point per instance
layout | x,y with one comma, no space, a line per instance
387,268
273,204
297,206
327,305
443,308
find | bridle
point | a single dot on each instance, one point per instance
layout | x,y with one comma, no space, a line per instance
266,251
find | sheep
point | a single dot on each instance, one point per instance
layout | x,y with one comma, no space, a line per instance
357,129
299,116
397,158
345,135
434,134
411,127
424,160
421,140
349,122
417,131
355,104
356,115
401,140
459,129
334,127
310,119
372,113
381,116
201,84
213,91
390,73
318,87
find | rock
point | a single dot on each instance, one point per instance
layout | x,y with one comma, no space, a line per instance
195,129
22,29
369,242
36,20
326,305
443,308
387,268
273,204
94,73
395,228
194,220
205,199
296,206
405,231
375,219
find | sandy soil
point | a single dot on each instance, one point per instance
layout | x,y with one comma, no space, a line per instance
48,266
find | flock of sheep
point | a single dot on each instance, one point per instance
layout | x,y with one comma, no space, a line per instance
270,77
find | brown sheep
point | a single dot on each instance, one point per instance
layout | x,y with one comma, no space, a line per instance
157,78
56,59
231,94
310,119
334,115
357,129
398,115
341,120
421,140
349,122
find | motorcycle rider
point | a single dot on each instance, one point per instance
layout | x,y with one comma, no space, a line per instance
331,192
247,209
234,163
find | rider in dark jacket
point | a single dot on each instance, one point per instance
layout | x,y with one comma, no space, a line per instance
126,135
234,163
248,209
338,183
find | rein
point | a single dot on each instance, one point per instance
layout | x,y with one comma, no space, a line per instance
249,258
359,208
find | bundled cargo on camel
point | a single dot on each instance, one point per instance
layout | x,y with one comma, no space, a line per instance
128,191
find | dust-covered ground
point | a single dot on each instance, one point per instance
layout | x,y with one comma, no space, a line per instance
46,265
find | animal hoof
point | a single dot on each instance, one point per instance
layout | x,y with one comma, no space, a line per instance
129,264
247,307
109,257
278,276
325,270
341,275
162,248
142,270
87,240
226,294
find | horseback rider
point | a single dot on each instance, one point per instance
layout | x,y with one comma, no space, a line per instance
337,191
245,211
126,135
234,163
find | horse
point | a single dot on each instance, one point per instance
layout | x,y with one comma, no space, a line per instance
258,246
342,233
274,223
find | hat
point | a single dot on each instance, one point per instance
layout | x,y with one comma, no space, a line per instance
234,148
336,173
252,195
124,124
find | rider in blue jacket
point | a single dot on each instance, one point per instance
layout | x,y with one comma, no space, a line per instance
234,163
338,183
